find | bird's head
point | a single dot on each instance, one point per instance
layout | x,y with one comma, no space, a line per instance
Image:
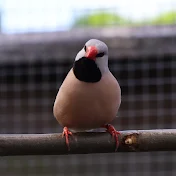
92,61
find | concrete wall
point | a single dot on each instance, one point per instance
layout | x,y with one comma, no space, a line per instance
133,42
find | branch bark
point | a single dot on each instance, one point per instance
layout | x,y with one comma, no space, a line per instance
87,142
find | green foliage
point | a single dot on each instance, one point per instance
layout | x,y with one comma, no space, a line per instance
101,19
165,18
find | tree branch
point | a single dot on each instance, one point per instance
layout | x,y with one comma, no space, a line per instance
88,142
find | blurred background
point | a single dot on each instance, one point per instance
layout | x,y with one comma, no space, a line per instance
38,43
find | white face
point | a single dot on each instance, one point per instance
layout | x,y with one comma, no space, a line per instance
102,62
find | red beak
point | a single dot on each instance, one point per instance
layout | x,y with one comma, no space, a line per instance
91,52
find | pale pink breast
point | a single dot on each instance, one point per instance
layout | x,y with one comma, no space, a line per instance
82,106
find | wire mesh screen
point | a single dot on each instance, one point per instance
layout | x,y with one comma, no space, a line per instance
27,93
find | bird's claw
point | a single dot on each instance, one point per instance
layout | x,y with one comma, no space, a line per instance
114,134
66,133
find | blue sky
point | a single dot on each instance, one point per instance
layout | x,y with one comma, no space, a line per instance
51,15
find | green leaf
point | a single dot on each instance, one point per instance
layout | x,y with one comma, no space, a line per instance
101,19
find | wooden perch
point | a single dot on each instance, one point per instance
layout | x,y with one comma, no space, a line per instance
88,142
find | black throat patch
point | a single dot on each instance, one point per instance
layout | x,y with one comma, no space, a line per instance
86,70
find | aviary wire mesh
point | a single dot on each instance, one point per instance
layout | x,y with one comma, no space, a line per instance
27,93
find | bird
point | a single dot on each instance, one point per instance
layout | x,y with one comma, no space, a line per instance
90,96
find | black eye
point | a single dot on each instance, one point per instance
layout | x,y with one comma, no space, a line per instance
100,54
85,48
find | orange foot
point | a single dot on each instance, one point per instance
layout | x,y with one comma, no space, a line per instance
114,134
66,133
